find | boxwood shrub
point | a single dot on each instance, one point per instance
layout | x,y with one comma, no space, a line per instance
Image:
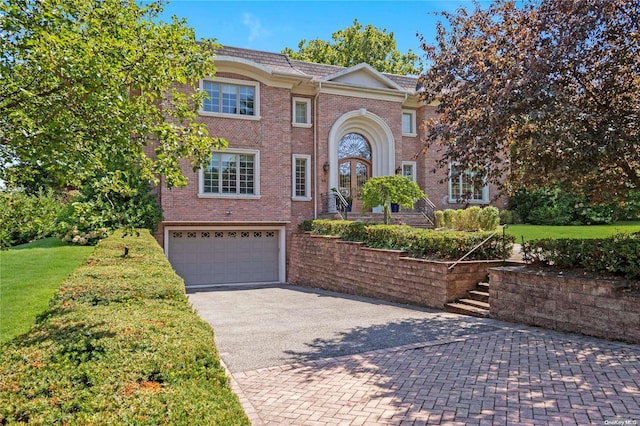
119,344
420,243
618,255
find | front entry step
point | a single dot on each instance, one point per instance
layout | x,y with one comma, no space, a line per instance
463,309
482,296
476,305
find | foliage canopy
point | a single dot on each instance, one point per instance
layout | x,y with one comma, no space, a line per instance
396,189
356,44
89,86
547,94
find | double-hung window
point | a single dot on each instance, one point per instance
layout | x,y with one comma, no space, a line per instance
233,98
231,174
301,112
301,177
463,185
409,123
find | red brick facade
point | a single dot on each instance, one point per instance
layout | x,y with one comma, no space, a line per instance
357,100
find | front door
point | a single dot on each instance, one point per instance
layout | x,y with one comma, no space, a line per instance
354,173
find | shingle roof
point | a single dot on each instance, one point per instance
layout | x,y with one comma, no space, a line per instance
281,63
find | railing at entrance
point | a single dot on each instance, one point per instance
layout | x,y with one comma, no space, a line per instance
427,208
334,202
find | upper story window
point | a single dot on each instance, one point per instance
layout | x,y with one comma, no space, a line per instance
231,98
301,112
463,187
409,123
231,174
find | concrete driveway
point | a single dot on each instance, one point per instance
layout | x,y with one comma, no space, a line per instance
257,327
312,357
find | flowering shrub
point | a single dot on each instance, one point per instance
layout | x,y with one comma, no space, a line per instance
83,238
124,201
25,217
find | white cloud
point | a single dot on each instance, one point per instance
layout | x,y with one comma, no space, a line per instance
256,31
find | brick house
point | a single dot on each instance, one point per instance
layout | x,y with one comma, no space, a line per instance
295,130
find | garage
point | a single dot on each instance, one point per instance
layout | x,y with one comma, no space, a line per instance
204,257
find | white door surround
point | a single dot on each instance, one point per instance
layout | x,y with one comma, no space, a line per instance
377,133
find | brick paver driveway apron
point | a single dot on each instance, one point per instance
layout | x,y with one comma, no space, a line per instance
306,357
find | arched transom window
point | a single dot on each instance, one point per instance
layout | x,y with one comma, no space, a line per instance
353,145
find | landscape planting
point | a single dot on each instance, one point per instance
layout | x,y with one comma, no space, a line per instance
618,255
420,243
119,344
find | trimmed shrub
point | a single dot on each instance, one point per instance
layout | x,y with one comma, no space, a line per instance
420,243
618,255
470,219
467,219
119,344
449,218
489,218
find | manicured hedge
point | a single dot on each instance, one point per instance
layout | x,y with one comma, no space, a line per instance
420,243
619,255
119,344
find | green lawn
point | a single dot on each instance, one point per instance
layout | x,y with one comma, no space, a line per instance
536,232
29,276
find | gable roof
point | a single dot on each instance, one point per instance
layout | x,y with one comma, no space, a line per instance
363,74
281,64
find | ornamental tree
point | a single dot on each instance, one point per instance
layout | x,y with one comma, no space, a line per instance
383,190
89,89
544,94
356,44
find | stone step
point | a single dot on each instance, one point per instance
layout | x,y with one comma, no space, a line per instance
475,303
483,287
459,308
482,296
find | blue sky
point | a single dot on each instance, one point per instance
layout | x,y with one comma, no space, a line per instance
274,25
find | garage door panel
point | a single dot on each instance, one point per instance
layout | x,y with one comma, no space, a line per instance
219,257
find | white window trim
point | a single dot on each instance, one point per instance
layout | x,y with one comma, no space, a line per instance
413,168
413,123
223,80
307,183
256,171
294,123
485,192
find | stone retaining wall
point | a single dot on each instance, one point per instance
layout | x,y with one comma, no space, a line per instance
580,304
347,267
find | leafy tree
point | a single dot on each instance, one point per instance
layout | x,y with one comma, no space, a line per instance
89,89
546,94
25,217
383,190
356,44
122,200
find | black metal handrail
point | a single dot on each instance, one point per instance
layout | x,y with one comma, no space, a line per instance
477,247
